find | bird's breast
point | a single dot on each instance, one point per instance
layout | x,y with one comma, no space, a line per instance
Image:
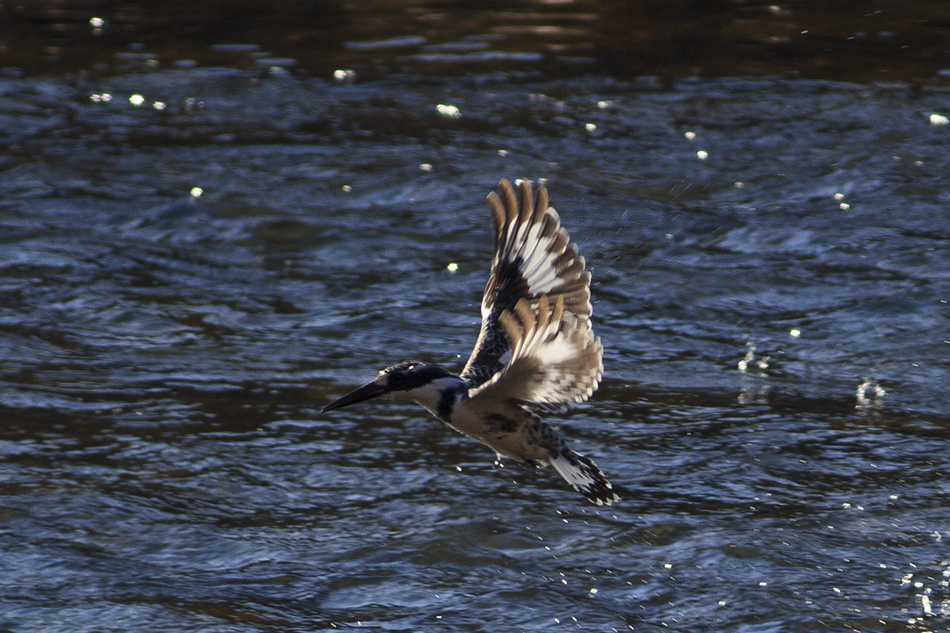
506,429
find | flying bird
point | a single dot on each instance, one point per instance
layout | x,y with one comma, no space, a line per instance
536,352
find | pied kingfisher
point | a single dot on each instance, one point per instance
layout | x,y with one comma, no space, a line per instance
536,352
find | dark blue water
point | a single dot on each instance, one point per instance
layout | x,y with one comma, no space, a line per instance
185,282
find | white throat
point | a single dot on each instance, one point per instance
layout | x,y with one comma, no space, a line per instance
431,394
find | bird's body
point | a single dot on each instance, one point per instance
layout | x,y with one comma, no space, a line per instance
536,352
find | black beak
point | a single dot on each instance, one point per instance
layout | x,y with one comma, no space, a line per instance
367,391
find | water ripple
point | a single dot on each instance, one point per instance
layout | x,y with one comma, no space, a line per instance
773,412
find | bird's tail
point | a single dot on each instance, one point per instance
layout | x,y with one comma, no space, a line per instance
586,478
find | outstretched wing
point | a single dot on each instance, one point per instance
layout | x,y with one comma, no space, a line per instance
555,358
533,257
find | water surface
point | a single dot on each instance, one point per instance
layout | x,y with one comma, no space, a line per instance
186,281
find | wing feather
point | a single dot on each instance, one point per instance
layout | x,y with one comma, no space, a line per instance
533,257
555,360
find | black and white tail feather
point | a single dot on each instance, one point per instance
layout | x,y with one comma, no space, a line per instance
536,352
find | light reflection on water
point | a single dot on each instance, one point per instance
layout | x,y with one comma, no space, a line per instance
165,356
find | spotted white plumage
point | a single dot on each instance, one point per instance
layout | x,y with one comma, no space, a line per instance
536,351
555,359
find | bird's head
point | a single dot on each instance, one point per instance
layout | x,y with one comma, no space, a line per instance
408,380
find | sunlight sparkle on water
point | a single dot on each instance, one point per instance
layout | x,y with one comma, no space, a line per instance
448,110
97,25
